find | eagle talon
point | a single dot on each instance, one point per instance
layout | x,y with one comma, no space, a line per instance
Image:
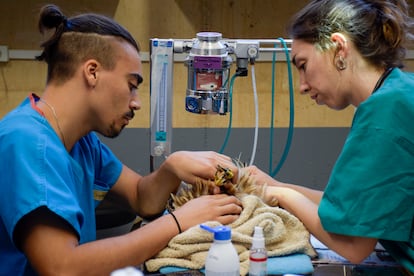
222,179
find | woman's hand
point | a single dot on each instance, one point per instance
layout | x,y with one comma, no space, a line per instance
262,178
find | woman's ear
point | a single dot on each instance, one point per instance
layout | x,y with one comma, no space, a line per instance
341,43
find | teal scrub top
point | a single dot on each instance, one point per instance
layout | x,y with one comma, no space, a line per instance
370,192
38,172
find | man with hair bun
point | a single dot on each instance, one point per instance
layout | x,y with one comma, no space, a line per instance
53,161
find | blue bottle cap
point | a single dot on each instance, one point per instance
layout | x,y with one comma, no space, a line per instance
221,233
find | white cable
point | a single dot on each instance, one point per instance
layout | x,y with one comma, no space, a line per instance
256,106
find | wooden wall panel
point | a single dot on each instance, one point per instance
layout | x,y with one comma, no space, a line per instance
175,19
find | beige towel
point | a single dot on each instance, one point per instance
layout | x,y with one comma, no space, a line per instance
284,234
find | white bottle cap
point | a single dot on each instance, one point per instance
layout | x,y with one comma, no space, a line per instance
258,238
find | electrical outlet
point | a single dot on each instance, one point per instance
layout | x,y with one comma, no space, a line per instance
4,53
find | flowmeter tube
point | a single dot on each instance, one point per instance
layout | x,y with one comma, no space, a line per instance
161,89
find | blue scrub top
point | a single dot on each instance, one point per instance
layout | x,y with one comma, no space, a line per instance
370,192
37,171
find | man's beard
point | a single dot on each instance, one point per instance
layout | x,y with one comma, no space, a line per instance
113,132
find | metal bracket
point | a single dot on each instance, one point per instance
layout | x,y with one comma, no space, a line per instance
4,53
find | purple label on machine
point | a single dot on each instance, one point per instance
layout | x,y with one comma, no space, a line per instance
206,62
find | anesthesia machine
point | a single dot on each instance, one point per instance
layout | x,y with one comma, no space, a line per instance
208,59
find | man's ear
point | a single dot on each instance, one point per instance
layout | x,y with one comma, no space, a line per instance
342,44
91,72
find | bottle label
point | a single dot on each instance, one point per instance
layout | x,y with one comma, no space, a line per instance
258,269
258,266
219,273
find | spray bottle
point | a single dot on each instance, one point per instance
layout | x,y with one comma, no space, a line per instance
222,258
258,254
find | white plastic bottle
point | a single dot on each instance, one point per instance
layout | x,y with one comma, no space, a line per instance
222,258
127,271
258,254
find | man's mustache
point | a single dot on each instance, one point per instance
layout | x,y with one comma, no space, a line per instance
130,115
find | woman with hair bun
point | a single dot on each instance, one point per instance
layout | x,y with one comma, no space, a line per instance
351,52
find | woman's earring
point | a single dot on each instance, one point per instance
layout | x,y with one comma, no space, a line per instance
340,63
